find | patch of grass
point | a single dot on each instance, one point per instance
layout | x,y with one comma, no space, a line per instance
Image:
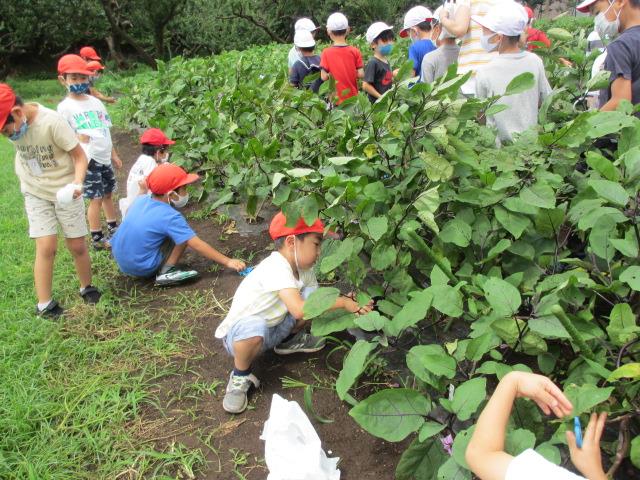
71,389
47,92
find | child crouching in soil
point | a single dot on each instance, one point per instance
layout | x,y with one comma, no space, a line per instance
267,308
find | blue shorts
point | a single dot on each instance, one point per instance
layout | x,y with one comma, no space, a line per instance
99,181
255,326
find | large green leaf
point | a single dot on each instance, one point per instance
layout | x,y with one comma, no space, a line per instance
585,397
371,322
332,321
392,414
377,227
512,222
412,312
468,397
450,470
622,324
432,359
630,370
320,301
634,452
353,366
519,440
383,256
457,232
631,276
611,191
521,83
502,296
421,460
446,299
539,195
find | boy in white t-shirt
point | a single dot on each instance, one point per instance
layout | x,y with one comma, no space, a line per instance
501,30
267,308
154,152
485,453
89,118
51,167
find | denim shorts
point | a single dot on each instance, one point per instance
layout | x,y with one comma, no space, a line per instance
255,326
100,180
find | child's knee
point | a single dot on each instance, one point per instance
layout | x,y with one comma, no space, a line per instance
77,248
46,249
248,342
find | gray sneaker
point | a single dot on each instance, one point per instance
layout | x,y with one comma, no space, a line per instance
235,399
301,342
173,276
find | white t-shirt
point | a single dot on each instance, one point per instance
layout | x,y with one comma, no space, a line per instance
294,56
493,78
530,465
89,117
472,55
141,169
43,163
258,292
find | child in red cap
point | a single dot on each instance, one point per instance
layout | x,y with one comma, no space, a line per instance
89,118
154,152
267,308
51,166
154,234
96,67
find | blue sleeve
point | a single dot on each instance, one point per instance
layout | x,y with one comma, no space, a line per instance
413,56
179,230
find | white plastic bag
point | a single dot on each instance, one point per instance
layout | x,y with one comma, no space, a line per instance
292,447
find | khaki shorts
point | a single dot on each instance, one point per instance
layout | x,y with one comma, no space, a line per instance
44,217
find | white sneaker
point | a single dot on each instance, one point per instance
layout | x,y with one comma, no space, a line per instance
235,399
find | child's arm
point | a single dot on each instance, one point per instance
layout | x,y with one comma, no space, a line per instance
294,302
620,90
460,23
100,96
360,73
115,158
370,89
80,164
324,75
485,453
207,251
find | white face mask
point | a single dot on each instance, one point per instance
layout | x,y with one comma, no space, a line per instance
484,41
181,201
607,29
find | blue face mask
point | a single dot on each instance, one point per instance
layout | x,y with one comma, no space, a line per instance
79,88
18,134
385,49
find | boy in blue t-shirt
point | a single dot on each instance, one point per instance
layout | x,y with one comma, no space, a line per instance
418,26
154,235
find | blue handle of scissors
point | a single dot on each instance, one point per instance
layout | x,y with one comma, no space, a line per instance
577,429
245,272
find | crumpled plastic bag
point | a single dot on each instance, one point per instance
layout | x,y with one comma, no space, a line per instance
292,447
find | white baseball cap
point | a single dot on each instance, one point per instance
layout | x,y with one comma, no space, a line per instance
305,24
337,21
507,18
584,5
376,29
303,39
415,16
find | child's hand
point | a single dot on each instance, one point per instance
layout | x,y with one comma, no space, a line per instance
542,391
117,162
588,459
142,183
352,306
77,191
235,264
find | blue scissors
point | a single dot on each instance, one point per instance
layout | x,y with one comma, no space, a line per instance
246,271
577,429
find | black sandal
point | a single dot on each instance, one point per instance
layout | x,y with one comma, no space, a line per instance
53,310
90,294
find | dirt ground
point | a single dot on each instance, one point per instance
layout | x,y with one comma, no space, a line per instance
189,410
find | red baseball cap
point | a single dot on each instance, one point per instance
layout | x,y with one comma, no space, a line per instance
7,102
90,53
155,136
94,65
73,64
167,177
278,227
529,11
585,5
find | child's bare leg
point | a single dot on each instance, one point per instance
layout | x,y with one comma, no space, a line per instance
93,214
246,351
175,255
109,208
43,266
78,248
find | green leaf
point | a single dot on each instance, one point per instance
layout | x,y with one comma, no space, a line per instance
512,222
630,370
383,256
377,227
497,249
348,247
429,429
320,301
468,397
447,300
353,366
539,195
300,172
421,460
432,359
518,441
611,191
412,312
634,452
502,296
521,83
460,444
548,326
496,108
392,414
585,397
331,322
550,452
622,324
560,34
371,322
479,346
631,276
604,167
437,167
450,470
457,232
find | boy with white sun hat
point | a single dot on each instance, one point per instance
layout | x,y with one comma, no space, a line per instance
501,30
307,64
418,26
301,25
